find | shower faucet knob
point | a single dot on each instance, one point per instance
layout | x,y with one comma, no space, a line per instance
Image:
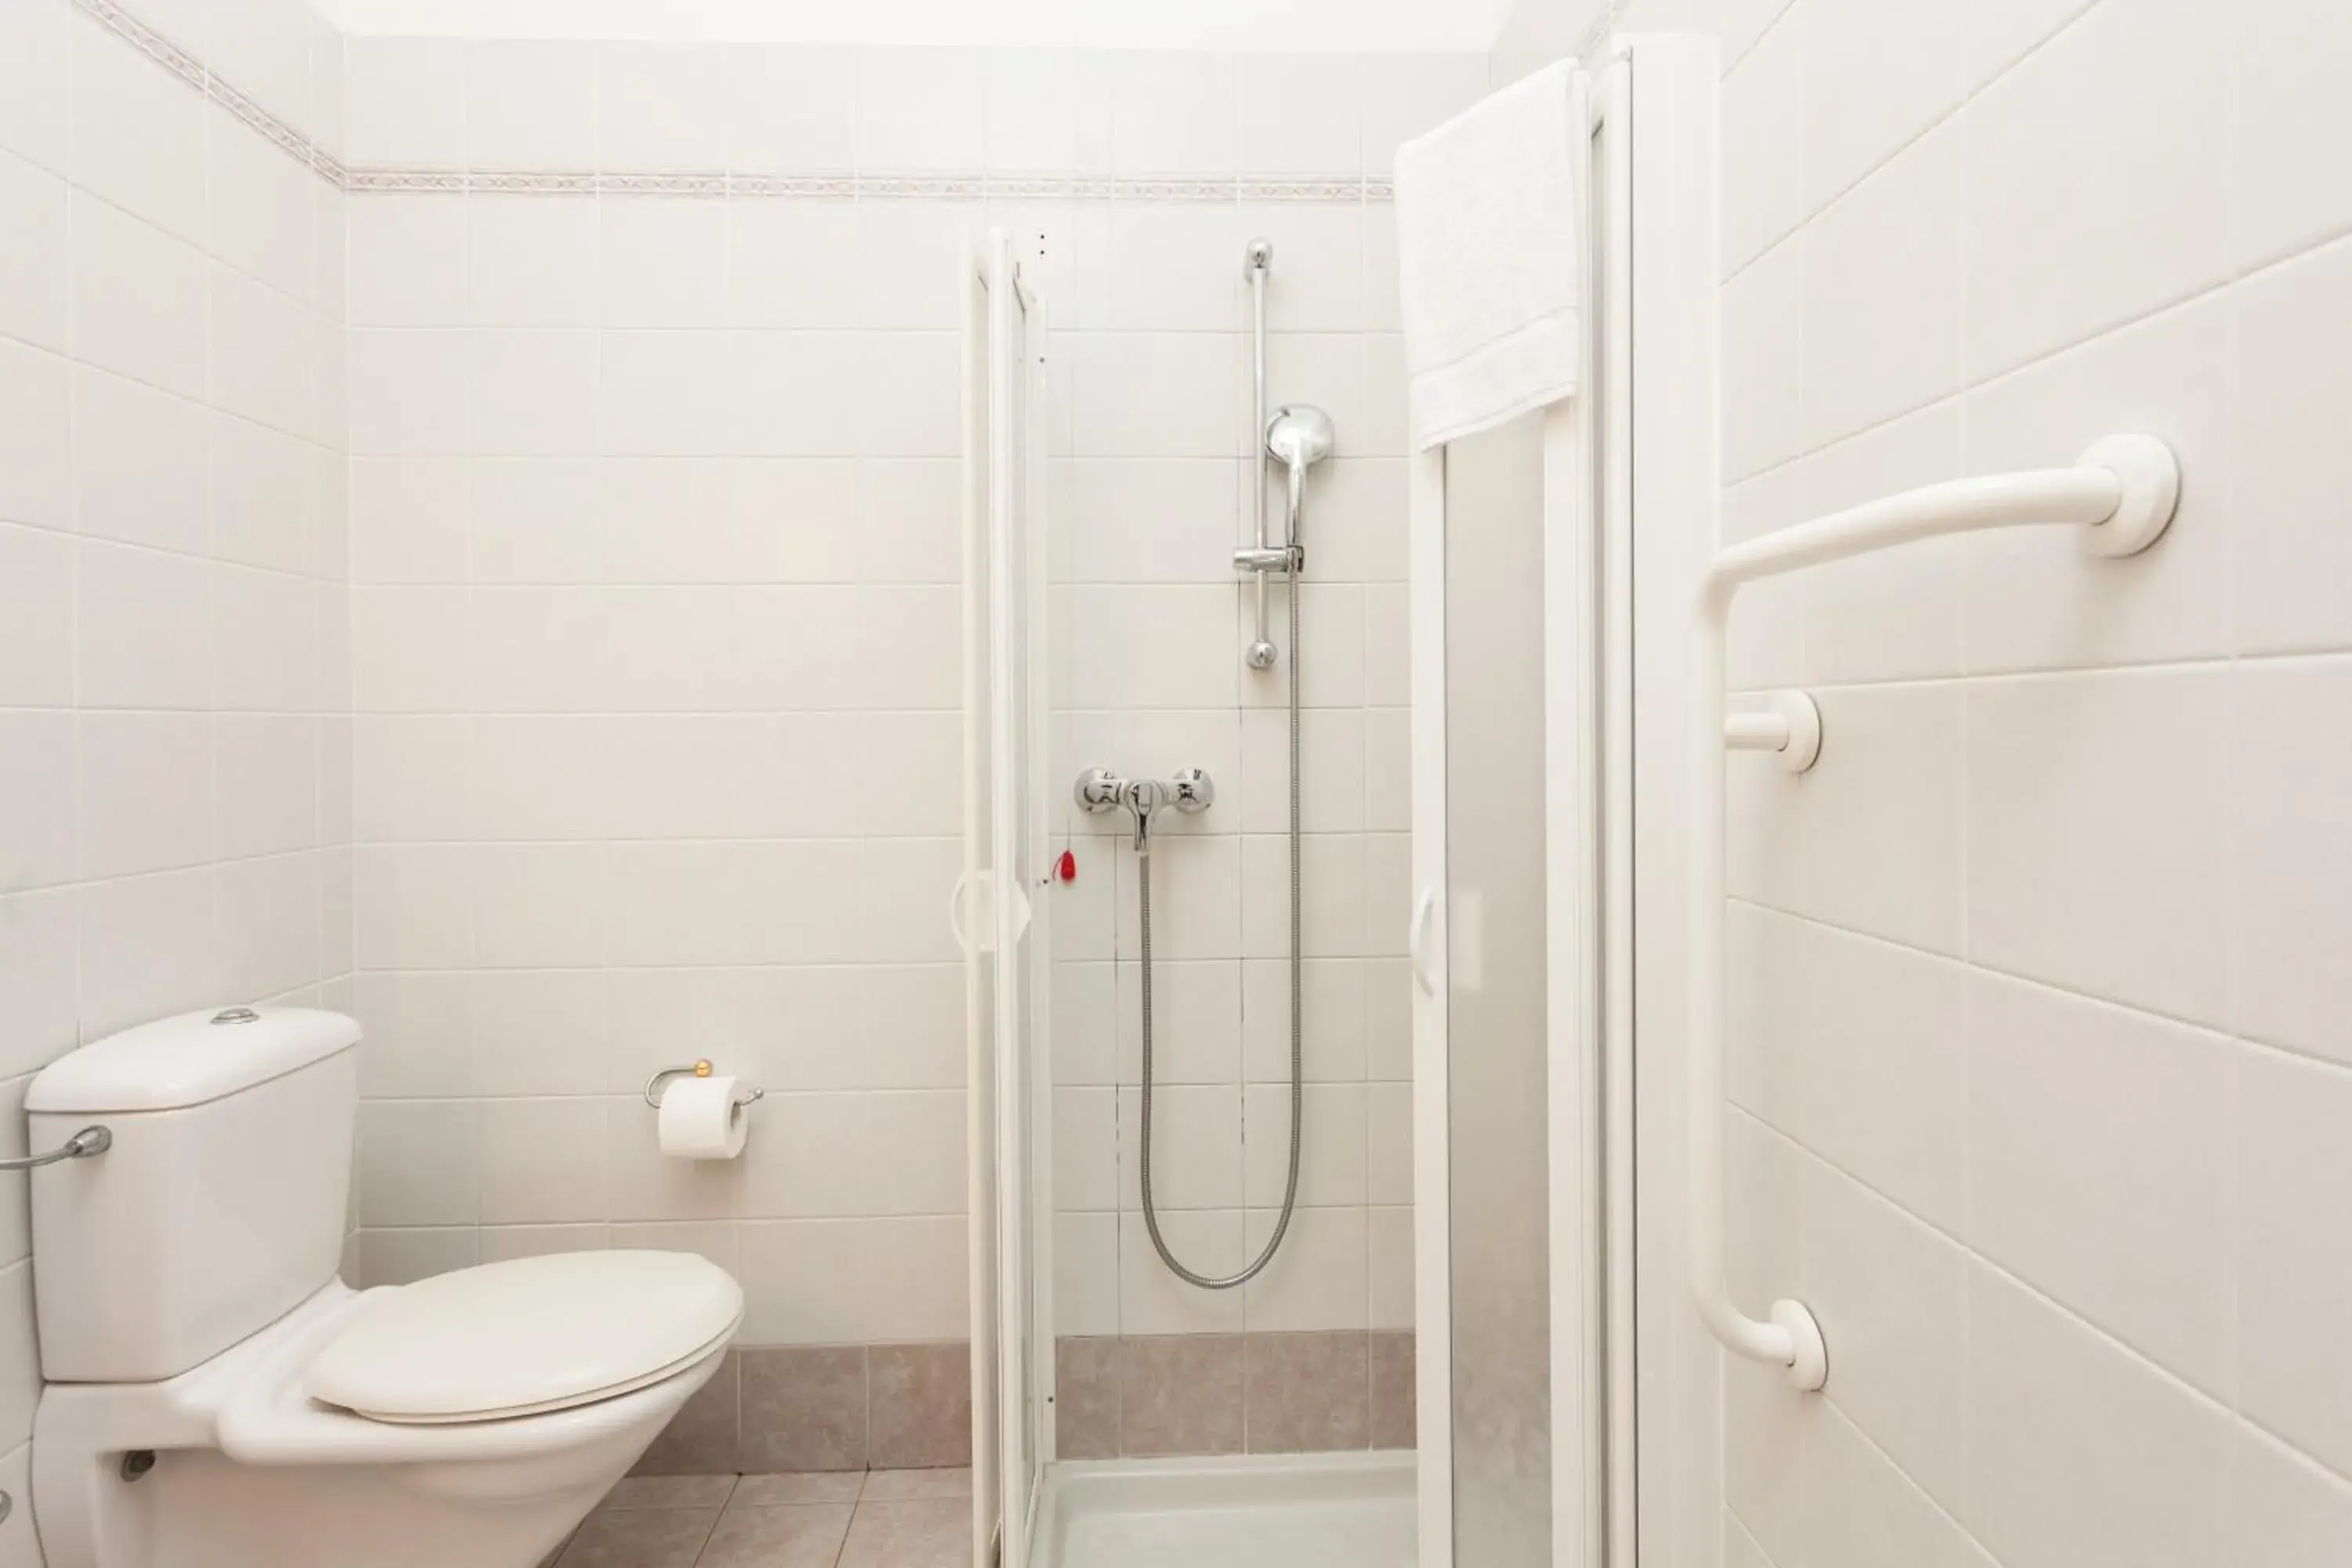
1191,791
1099,790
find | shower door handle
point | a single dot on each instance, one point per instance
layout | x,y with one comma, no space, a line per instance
958,902
1416,942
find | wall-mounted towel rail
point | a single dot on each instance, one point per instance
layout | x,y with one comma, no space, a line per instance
2122,493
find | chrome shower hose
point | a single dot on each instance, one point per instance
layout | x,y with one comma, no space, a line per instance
1298,1051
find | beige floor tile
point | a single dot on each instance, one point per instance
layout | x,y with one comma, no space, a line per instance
670,1491
926,1533
802,1536
641,1538
808,1486
898,1486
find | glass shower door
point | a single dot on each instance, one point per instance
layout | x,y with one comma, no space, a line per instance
1000,923
1506,944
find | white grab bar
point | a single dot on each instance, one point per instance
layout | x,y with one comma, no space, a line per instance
2123,493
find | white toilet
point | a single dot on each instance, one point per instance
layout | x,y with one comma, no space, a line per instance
215,1397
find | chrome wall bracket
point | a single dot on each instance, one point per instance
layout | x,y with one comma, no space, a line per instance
745,1093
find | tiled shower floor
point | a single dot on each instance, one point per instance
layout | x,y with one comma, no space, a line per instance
876,1519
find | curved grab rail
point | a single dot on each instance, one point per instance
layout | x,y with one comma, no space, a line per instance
2124,492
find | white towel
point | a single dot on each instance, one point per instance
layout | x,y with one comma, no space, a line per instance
1491,258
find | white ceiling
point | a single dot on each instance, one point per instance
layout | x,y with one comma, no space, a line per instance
1239,25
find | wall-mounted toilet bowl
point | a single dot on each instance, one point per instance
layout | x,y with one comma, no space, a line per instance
469,1421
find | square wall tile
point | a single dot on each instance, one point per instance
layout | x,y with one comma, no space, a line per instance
405,102
33,258
1306,1394
531,105
2286,847
1394,1419
2122,1217
1173,113
37,41
920,1401
1871,838
2286,390
1883,288
36,630
1764,128
1300,114
2063,884
2289,1512
2289,184
661,107
1182,1396
2079,1452
920,109
1875,77
1088,1374
791,108
2293,1271
803,1409
2088,203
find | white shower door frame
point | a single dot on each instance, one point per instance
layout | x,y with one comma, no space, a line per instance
999,915
1658,160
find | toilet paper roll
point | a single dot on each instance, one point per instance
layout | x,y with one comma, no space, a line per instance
699,1120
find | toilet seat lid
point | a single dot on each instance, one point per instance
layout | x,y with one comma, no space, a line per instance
528,1336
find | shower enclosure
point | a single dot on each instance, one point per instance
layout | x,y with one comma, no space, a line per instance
1504,921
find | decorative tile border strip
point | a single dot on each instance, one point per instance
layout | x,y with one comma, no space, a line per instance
949,186
285,138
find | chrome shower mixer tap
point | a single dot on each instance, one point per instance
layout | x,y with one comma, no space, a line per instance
1099,790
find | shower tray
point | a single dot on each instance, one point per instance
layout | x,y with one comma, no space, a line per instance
1302,1510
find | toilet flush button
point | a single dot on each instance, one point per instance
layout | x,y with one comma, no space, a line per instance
237,1016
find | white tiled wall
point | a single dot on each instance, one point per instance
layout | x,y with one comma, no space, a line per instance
655,736
1151,624
174,682
655,656
2044,1074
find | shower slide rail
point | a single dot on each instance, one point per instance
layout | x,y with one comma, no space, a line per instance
2122,494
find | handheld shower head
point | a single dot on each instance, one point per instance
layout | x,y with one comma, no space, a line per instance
1300,435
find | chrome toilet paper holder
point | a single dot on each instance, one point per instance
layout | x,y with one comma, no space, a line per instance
744,1093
